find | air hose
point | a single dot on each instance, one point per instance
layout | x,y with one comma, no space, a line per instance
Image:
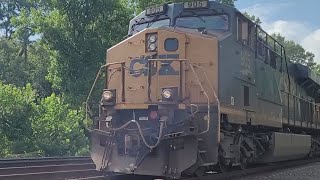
151,147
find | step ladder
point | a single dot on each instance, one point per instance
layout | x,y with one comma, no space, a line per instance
107,151
202,150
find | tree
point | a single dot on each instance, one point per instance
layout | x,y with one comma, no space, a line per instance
56,128
16,107
49,128
253,18
14,69
10,9
295,52
7,11
23,31
57,46
79,32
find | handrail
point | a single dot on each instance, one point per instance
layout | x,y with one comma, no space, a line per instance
149,74
91,90
200,84
214,94
205,93
95,82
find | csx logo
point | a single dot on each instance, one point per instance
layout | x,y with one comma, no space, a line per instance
165,69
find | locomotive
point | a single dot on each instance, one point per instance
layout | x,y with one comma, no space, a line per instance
197,87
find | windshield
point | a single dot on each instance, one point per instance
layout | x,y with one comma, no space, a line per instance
139,27
220,22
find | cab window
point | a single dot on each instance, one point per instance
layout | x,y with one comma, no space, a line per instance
246,32
217,22
153,24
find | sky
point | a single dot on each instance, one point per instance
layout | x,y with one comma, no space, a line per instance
297,20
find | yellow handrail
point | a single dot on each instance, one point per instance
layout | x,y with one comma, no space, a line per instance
95,82
202,89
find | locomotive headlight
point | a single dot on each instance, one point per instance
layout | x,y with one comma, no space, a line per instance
152,47
153,38
107,95
152,42
167,93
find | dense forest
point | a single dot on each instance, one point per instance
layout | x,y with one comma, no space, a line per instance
50,51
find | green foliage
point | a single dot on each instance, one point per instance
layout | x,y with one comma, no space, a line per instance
14,69
57,129
53,76
80,32
7,11
11,64
39,62
16,107
5,146
11,9
295,52
72,39
49,128
253,18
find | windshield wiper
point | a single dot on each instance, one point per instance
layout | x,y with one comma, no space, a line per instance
134,26
138,23
201,18
202,30
153,21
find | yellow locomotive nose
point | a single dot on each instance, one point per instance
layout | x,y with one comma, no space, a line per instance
150,65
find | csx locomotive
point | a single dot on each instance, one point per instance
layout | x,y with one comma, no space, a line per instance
198,87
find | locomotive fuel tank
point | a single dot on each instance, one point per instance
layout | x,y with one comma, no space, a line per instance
286,146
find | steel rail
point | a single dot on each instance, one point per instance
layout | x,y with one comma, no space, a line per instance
5,163
236,174
47,168
59,175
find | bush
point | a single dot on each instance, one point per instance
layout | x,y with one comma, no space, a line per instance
47,128
16,108
57,129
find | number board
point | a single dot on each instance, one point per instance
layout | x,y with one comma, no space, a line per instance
195,4
155,10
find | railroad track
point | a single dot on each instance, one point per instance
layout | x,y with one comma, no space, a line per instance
233,175
82,168
47,168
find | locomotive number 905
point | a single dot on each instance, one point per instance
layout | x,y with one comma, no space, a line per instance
195,4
